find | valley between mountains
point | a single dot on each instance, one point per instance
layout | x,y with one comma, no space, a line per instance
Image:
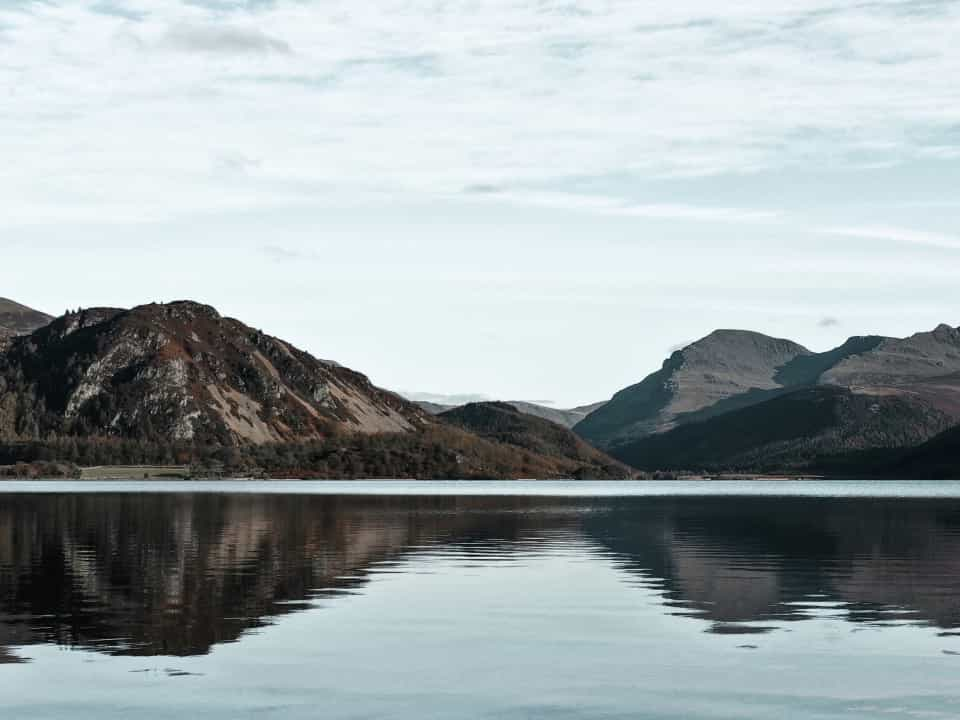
178,385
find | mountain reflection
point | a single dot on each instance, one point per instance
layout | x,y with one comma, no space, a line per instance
768,560
144,574
177,574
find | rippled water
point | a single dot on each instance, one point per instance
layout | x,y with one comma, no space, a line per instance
755,602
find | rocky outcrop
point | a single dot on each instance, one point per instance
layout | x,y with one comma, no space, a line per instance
181,371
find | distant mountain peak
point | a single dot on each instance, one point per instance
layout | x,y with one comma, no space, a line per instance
18,319
726,363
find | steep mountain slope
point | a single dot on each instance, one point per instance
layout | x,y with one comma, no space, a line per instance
726,364
181,371
925,366
17,319
503,423
807,429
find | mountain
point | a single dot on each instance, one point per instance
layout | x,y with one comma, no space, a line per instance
183,372
726,364
814,429
434,408
566,417
504,423
17,319
446,400
925,365
179,384
746,402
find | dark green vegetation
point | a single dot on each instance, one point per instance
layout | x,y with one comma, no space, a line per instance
938,458
807,430
437,451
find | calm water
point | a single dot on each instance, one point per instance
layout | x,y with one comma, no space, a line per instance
763,600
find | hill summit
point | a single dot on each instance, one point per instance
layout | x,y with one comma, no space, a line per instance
182,371
17,319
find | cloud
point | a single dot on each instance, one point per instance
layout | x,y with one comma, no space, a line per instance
828,322
280,253
896,234
444,399
232,161
618,206
118,10
423,99
223,39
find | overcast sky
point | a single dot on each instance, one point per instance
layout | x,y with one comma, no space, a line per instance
526,199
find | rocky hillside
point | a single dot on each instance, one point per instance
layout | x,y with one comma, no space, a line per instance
925,365
505,424
726,364
181,371
17,319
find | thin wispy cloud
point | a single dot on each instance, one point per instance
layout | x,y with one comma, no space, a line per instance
280,253
897,235
616,206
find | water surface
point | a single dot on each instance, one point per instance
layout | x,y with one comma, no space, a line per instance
454,600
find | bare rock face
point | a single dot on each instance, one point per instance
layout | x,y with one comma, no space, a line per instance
721,366
180,371
17,319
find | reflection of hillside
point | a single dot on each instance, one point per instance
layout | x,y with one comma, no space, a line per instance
178,574
174,575
736,560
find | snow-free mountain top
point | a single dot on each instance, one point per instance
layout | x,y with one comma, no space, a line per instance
724,364
181,371
17,319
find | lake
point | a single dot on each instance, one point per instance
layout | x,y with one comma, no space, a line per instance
479,600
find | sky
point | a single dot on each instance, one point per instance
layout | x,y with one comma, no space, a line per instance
524,199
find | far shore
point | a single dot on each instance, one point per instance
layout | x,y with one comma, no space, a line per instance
186,472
